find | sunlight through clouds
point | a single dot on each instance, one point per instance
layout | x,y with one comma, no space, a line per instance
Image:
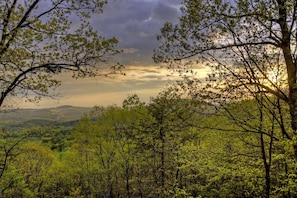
135,23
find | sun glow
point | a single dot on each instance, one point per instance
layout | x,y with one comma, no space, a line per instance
273,77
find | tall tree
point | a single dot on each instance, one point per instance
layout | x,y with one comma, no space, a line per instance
247,44
173,119
40,38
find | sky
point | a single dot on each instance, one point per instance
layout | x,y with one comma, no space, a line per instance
135,23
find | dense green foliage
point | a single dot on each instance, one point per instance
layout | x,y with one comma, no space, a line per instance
171,147
235,135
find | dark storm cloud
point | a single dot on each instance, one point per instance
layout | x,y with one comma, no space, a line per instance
136,24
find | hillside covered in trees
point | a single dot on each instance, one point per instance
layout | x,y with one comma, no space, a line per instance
232,134
171,147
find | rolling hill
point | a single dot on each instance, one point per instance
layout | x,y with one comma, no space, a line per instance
58,114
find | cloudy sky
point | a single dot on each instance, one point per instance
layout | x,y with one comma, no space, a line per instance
135,23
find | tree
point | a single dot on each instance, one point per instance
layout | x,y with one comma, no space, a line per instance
247,44
173,120
32,164
40,39
107,153
10,144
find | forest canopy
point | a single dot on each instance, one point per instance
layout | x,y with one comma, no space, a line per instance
170,147
231,135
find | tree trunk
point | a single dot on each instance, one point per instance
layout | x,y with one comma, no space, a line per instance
163,161
291,66
293,108
293,113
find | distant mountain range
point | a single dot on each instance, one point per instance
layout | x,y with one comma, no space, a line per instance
59,114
